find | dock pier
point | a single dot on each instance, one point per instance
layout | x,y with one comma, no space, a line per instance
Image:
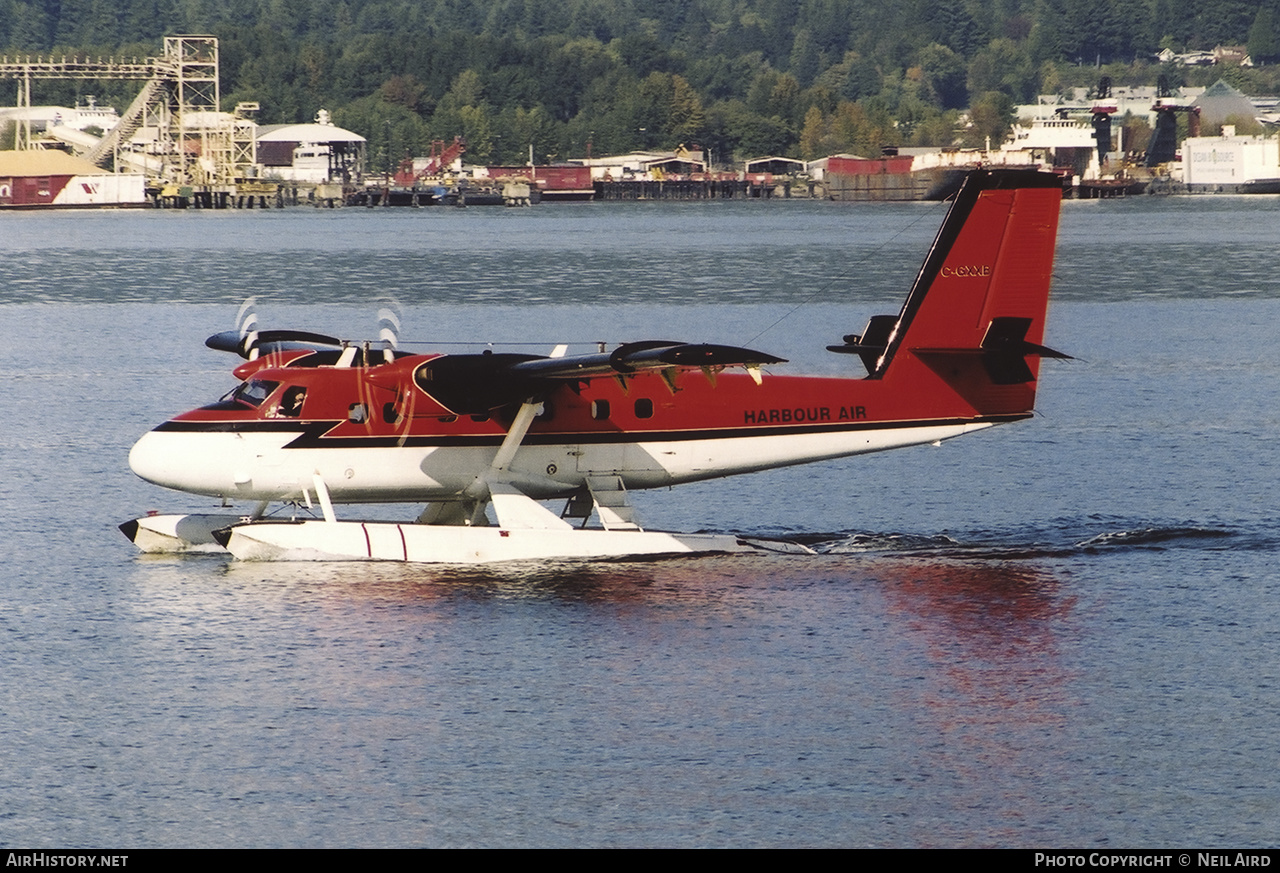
683,189
246,195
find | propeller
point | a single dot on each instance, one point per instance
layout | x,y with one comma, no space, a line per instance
389,329
250,343
247,327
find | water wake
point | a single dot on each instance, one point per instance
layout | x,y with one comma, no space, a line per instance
1062,540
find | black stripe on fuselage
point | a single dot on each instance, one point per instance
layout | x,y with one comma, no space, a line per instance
312,434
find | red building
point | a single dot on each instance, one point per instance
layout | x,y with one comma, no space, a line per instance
54,179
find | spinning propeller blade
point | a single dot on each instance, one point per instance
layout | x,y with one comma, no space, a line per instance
389,329
249,343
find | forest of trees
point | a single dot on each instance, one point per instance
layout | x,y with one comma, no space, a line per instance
739,77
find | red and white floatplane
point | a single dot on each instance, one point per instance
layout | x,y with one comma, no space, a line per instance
481,439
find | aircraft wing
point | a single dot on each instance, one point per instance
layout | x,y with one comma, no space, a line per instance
637,357
470,384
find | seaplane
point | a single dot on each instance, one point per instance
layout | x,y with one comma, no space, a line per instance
484,440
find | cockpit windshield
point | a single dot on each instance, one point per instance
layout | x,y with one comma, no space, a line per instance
253,392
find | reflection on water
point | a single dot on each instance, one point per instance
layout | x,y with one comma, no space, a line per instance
567,582
995,610
988,680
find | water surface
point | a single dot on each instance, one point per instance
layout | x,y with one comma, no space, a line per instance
1062,632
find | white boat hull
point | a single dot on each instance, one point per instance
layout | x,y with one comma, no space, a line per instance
441,544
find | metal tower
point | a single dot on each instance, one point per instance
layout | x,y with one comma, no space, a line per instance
181,99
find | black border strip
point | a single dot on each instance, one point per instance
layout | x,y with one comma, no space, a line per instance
311,435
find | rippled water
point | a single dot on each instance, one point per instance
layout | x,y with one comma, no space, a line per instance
1063,632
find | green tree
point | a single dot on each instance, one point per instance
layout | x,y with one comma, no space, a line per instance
989,120
862,128
811,134
667,111
806,61
1002,66
476,128
936,131
734,129
944,76
785,101
522,128
1263,44
468,89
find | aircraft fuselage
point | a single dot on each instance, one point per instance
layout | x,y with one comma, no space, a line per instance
396,444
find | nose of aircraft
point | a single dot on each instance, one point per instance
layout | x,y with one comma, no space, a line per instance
176,460
153,459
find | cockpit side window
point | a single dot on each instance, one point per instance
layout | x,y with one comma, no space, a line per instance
291,401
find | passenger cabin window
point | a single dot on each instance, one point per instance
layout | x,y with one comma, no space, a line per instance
357,413
600,410
644,408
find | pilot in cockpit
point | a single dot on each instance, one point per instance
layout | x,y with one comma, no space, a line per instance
291,402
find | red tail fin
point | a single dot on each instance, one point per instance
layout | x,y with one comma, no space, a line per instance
975,316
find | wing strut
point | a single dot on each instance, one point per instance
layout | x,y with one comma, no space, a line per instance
322,493
513,508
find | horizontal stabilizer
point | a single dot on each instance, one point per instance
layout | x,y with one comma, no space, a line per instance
1003,352
1008,335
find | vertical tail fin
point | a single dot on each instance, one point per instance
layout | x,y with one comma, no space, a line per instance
975,316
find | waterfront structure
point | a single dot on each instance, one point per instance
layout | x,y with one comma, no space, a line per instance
85,115
1137,101
1231,164
187,137
46,178
774,165
559,182
916,174
316,153
638,166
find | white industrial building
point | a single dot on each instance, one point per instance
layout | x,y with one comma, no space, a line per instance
1231,164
